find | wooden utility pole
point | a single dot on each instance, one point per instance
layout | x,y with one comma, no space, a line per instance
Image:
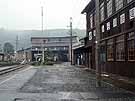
17,43
42,15
97,57
71,41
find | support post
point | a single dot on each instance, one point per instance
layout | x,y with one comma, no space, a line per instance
71,40
42,15
97,59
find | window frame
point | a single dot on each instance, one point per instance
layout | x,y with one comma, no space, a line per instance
102,28
132,13
128,1
115,22
109,7
90,35
108,26
102,12
130,42
91,21
119,4
120,43
110,50
122,18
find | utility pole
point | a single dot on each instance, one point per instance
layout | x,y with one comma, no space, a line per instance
42,16
17,43
97,57
71,40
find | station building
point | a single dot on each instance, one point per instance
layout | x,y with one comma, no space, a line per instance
86,54
117,37
58,48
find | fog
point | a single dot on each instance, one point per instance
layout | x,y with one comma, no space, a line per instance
26,14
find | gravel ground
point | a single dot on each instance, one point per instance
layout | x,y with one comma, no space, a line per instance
74,84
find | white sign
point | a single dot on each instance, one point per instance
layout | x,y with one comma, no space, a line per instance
132,13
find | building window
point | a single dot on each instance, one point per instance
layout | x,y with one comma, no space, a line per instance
90,35
128,1
132,13
110,48
122,18
108,26
131,46
115,22
109,7
94,32
103,52
118,4
91,21
103,28
102,16
120,48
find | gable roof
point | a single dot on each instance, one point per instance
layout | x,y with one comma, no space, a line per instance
89,7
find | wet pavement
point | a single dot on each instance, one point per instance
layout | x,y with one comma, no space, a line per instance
60,82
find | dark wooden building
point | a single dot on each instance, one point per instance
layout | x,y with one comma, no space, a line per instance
79,53
89,47
117,37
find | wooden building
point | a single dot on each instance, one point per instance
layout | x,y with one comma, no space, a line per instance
79,53
89,47
117,37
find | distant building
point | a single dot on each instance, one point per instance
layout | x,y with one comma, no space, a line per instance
24,54
58,48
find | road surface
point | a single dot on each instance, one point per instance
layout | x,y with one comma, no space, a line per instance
60,82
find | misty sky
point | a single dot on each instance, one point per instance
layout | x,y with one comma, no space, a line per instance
26,14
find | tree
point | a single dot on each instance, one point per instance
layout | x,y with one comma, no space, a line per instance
8,48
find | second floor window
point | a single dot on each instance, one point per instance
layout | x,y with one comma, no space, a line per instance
118,4
128,1
109,7
94,33
90,35
115,22
132,13
91,21
103,28
108,26
102,16
122,18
